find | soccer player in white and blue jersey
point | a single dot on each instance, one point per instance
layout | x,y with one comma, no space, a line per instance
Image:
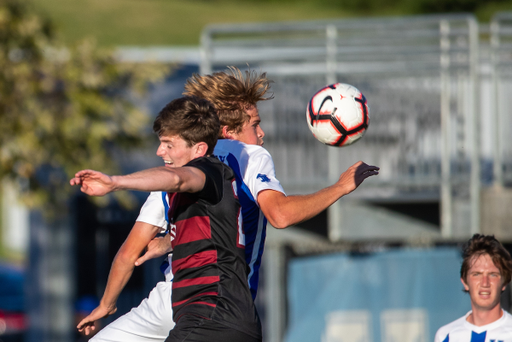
234,95
486,270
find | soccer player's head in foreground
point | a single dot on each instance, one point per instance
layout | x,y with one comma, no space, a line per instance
235,95
187,128
485,272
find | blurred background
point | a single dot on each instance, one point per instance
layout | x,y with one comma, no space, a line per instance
81,82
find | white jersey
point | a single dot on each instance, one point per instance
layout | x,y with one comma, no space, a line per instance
154,211
463,331
254,172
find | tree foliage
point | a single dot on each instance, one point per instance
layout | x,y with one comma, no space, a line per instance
62,109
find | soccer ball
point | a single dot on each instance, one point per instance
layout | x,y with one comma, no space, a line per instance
338,115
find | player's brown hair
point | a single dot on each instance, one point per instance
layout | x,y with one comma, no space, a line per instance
232,92
486,244
191,118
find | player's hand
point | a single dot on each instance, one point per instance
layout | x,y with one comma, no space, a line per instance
355,175
93,183
156,248
87,324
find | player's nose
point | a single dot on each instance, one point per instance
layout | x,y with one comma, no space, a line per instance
261,133
160,151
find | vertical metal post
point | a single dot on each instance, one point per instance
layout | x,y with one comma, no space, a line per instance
331,33
475,123
50,282
446,190
205,52
496,117
334,211
274,266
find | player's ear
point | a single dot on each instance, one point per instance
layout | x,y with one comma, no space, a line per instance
226,133
466,287
200,149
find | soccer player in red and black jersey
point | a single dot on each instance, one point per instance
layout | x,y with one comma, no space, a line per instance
210,298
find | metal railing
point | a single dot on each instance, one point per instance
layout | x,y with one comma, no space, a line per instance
501,111
420,76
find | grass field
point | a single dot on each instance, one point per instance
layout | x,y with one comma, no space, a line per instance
179,22
165,22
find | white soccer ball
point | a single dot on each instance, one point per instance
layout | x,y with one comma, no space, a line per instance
338,115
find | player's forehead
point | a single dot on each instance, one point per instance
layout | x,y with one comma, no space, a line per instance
253,113
482,262
168,138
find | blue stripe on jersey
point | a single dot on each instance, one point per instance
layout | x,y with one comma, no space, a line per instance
254,225
257,253
447,339
165,264
166,205
478,337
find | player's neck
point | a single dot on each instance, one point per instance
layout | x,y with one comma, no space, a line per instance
484,317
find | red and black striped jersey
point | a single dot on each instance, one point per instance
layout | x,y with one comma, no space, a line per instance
210,272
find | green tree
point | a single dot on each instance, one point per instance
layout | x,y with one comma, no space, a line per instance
62,109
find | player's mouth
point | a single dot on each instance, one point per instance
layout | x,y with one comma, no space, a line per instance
168,163
484,293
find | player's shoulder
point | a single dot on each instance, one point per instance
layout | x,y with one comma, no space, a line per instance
507,322
210,163
451,328
238,148
508,316
214,170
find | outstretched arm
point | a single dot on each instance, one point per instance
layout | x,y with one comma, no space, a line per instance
282,211
120,272
180,179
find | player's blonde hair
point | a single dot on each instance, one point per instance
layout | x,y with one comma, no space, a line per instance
232,92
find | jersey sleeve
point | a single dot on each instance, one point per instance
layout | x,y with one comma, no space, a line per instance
153,210
260,173
455,327
212,191
438,337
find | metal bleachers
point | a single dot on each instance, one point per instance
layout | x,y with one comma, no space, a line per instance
421,78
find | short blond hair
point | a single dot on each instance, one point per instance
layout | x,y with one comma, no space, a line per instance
232,92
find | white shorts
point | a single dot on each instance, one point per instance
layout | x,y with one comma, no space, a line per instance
149,322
